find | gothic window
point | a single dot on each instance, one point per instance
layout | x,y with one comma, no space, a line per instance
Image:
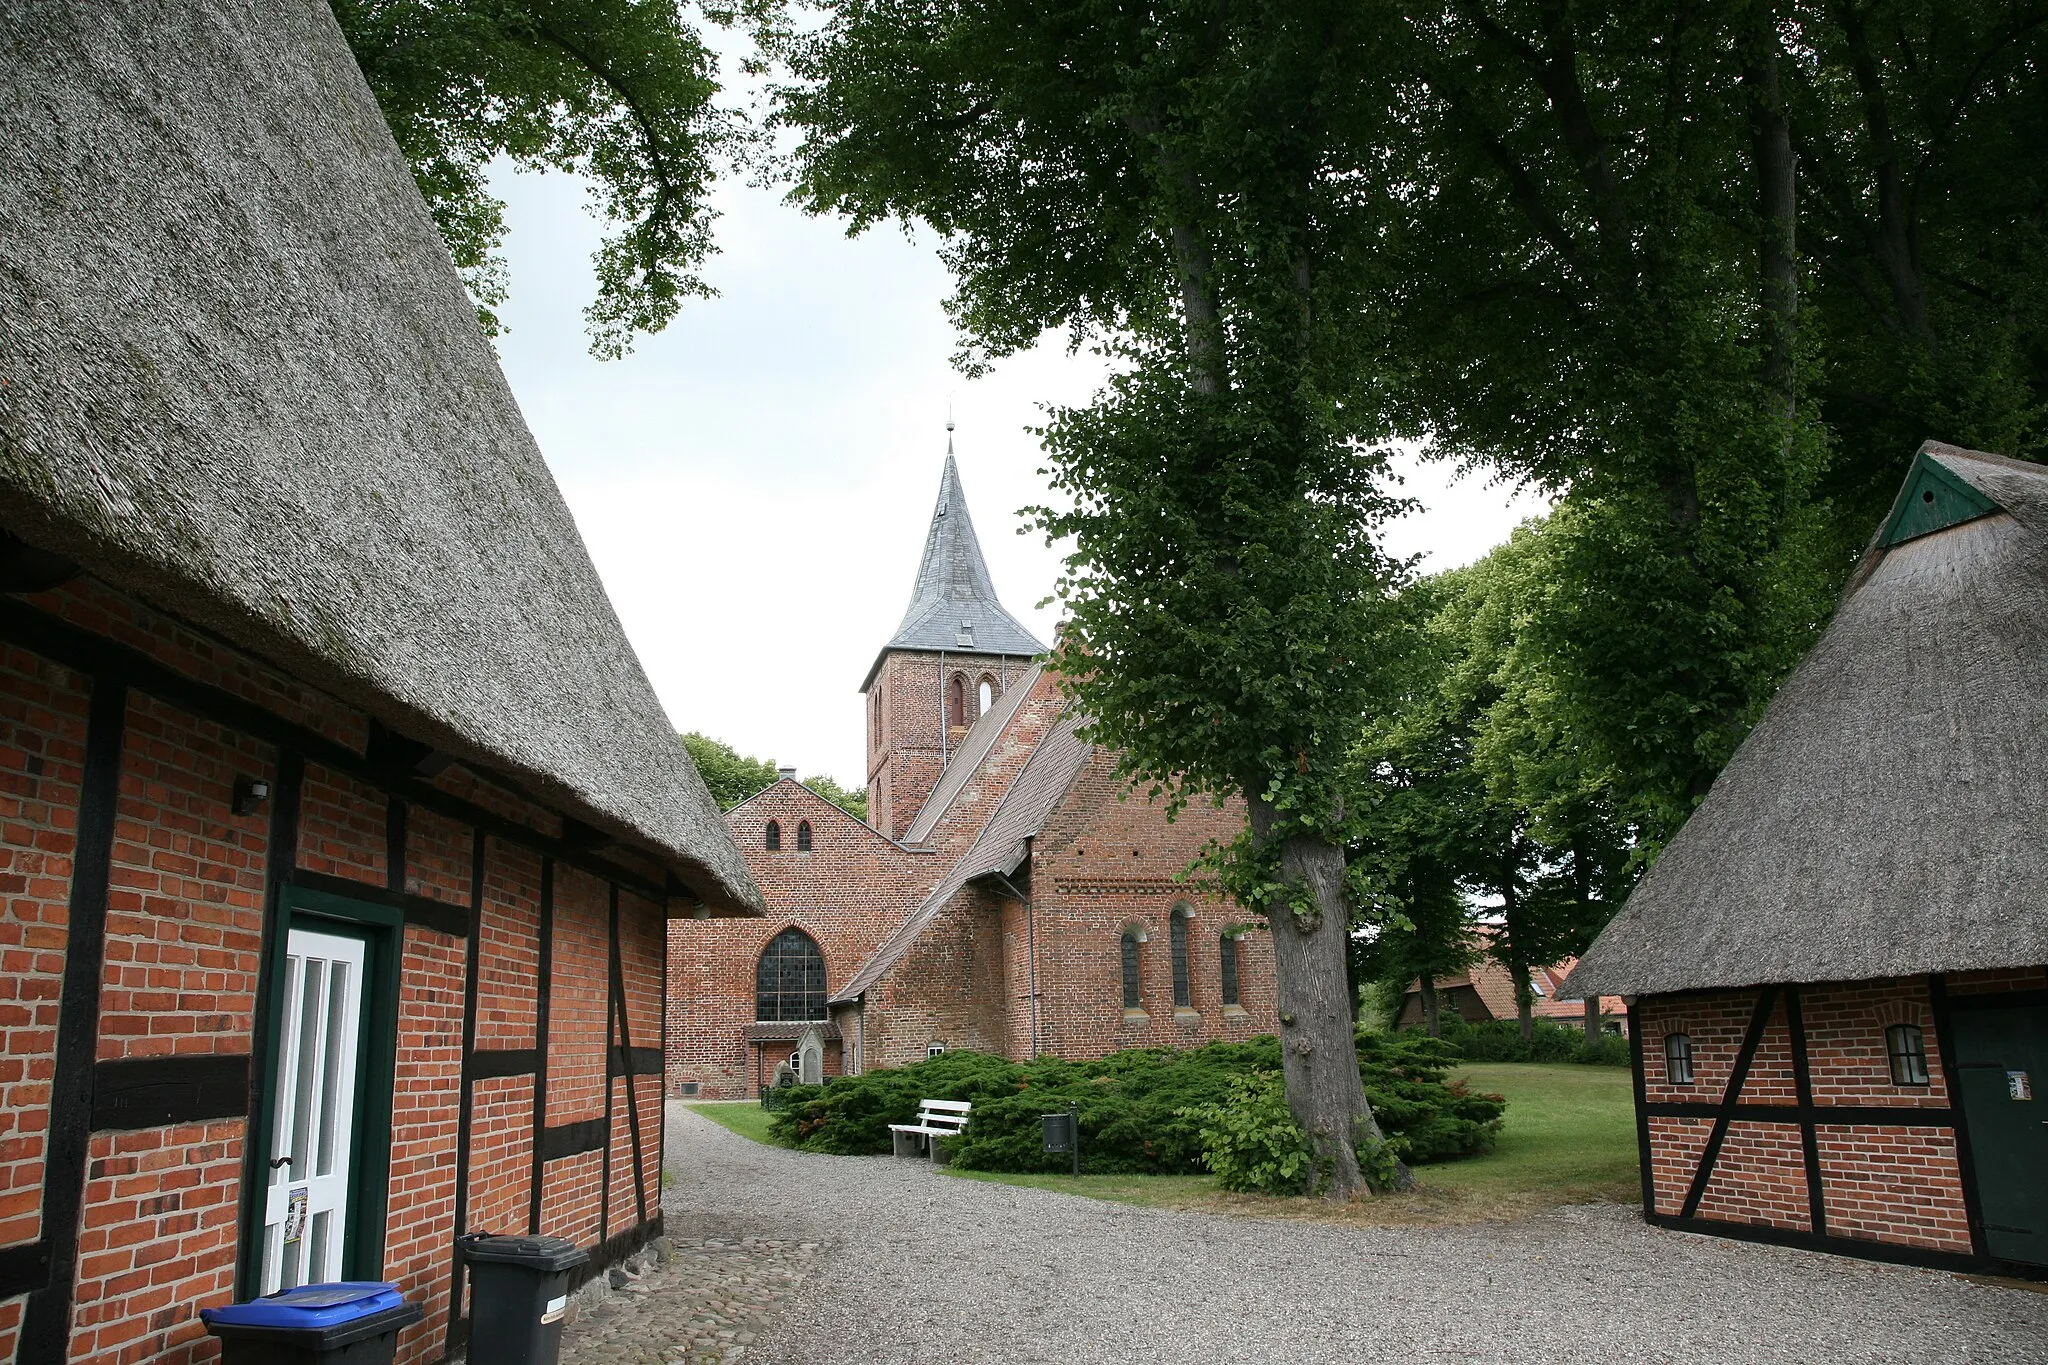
1908,1049
1132,998
772,840
789,985
1678,1058
803,836
1183,994
956,701
985,696
1227,947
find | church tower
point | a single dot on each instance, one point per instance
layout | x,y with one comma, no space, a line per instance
955,654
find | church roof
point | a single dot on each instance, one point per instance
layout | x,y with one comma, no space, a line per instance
242,380
1884,818
953,605
1000,848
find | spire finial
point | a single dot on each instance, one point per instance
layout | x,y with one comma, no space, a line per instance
949,428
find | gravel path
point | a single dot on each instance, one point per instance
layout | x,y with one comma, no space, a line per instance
921,1267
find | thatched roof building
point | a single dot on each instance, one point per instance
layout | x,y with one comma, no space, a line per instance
239,377
1886,818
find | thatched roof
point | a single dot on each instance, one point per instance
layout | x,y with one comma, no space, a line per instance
1886,818
953,603
239,376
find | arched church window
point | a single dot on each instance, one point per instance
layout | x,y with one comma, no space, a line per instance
789,985
772,838
985,695
1132,998
1228,951
803,836
1177,935
956,701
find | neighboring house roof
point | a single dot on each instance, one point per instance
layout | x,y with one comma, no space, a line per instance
953,604
967,759
1490,980
1000,848
239,377
1885,816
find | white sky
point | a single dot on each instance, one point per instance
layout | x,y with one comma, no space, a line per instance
754,483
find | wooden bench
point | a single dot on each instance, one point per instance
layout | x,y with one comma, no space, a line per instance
935,1119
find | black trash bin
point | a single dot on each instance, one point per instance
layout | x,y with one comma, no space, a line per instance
518,1296
354,1322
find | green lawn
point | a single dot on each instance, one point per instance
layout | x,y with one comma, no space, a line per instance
1570,1138
745,1117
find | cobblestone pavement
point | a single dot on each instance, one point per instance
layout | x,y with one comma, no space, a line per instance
703,1305
914,1266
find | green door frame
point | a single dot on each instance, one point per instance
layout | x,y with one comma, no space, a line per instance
382,929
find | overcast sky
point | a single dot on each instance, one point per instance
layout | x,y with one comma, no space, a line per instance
754,483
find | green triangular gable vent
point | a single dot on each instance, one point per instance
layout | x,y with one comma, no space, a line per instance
1933,500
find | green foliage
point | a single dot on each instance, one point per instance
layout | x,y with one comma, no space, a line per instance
617,91
1141,1111
733,777
1252,1142
1500,1040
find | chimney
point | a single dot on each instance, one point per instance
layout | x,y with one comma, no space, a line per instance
786,774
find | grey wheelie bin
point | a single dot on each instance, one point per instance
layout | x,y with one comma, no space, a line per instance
518,1297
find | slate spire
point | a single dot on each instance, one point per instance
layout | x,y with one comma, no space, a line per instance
953,604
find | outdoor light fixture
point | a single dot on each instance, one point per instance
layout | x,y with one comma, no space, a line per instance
250,792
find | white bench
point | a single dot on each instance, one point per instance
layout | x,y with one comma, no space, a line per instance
935,1119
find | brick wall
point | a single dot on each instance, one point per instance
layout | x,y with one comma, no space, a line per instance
908,739
848,893
159,1232
1897,1183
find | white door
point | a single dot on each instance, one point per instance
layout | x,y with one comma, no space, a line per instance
313,1101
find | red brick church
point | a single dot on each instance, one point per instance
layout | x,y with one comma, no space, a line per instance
1006,894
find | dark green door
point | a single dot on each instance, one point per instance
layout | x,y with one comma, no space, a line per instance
2003,1057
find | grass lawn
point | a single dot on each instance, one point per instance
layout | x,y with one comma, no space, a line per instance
1570,1138
745,1117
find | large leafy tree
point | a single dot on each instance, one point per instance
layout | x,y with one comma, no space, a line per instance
1715,270
617,91
1191,182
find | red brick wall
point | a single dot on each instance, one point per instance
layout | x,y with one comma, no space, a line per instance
1897,1183
159,1230
906,713
848,893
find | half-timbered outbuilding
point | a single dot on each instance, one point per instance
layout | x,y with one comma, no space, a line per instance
339,826
1839,997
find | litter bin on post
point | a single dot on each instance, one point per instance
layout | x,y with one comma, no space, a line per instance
518,1296
350,1323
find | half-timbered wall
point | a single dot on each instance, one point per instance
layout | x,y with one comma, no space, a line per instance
135,910
1792,1129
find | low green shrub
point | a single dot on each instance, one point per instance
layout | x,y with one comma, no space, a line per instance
1500,1040
1252,1142
1139,1110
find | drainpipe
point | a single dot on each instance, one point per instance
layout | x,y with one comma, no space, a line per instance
1030,951
860,1036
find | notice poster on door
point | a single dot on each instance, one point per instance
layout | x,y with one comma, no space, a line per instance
295,1215
2018,1085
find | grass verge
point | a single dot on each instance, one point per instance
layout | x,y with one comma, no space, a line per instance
745,1117
1569,1138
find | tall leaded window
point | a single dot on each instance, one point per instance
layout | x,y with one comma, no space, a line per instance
803,836
789,985
1678,1058
772,838
1908,1049
1132,998
1227,950
1177,941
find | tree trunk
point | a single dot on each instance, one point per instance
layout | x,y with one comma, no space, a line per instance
1518,960
1432,1007
1318,1039
1592,1019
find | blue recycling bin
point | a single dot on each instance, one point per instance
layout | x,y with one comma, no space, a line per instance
354,1322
